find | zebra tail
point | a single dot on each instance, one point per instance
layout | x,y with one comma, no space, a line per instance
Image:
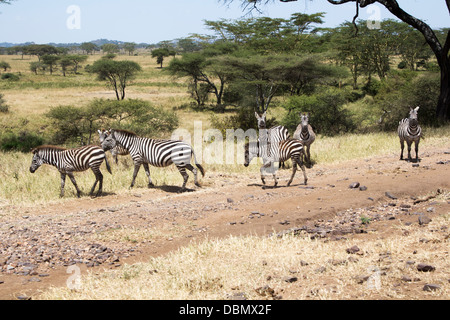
108,167
199,166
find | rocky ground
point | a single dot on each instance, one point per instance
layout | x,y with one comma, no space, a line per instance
357,198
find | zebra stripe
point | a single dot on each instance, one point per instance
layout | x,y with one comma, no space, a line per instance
158,153
409,130
68,161
305,134
272,136
287,149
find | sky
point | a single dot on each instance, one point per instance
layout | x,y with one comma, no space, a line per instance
152,21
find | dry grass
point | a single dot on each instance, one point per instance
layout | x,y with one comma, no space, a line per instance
20,187
217,269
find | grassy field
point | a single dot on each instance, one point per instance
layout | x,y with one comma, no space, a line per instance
215,269
31,97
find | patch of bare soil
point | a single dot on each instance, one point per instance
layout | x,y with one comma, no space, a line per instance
39,244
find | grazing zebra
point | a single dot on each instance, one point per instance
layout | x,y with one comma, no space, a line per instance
158,153
306,135
68,161
290,148
410,131
117,150
273,135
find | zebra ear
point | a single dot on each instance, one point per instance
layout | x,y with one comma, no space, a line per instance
99,132
416,109
264,114
256,115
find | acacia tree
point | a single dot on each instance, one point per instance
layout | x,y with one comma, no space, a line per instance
117,73
440,50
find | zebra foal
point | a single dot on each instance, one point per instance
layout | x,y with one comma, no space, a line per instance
410,131
286,149
68,161
306,135
158,153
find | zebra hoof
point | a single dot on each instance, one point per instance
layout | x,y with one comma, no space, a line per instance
151,185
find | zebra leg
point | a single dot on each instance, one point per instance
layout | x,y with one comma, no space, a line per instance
137,166
416,145
147,172
402,145
274,174
185,176
99,179
194,171
409,143
63,182
308,156
262,170
72,178
294,169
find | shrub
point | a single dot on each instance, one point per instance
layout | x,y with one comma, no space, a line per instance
3,106
397,95
22,142
10,77
79,125
327,114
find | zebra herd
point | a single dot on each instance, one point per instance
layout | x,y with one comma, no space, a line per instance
273,145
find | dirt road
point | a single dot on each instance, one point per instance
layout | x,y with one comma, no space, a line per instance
38,244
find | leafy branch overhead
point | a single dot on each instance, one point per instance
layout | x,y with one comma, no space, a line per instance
440,49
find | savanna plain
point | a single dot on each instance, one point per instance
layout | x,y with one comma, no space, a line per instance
231,238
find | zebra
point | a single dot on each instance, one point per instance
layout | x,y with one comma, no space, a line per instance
68,161
273,135
158,153
117,150
290,148
306,135
409,130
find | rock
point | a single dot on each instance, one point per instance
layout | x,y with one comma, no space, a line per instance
424,220
290,279
229,200
265,291
390,195
237,296
362,188
431,287
354,185
425,267
361,279
352,250
406,279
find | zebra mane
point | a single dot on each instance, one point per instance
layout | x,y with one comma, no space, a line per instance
126,132
47,147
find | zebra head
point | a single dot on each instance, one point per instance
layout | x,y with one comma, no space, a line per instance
304,119
102,134
413,120
261,120
37,161
109,140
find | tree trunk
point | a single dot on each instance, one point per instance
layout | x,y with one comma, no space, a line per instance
443,107
440,51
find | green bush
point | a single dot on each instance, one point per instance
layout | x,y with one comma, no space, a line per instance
398,94
327,114
22,142
79,125
3,106
10,77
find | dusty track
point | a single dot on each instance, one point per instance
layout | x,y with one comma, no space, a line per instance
157,221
